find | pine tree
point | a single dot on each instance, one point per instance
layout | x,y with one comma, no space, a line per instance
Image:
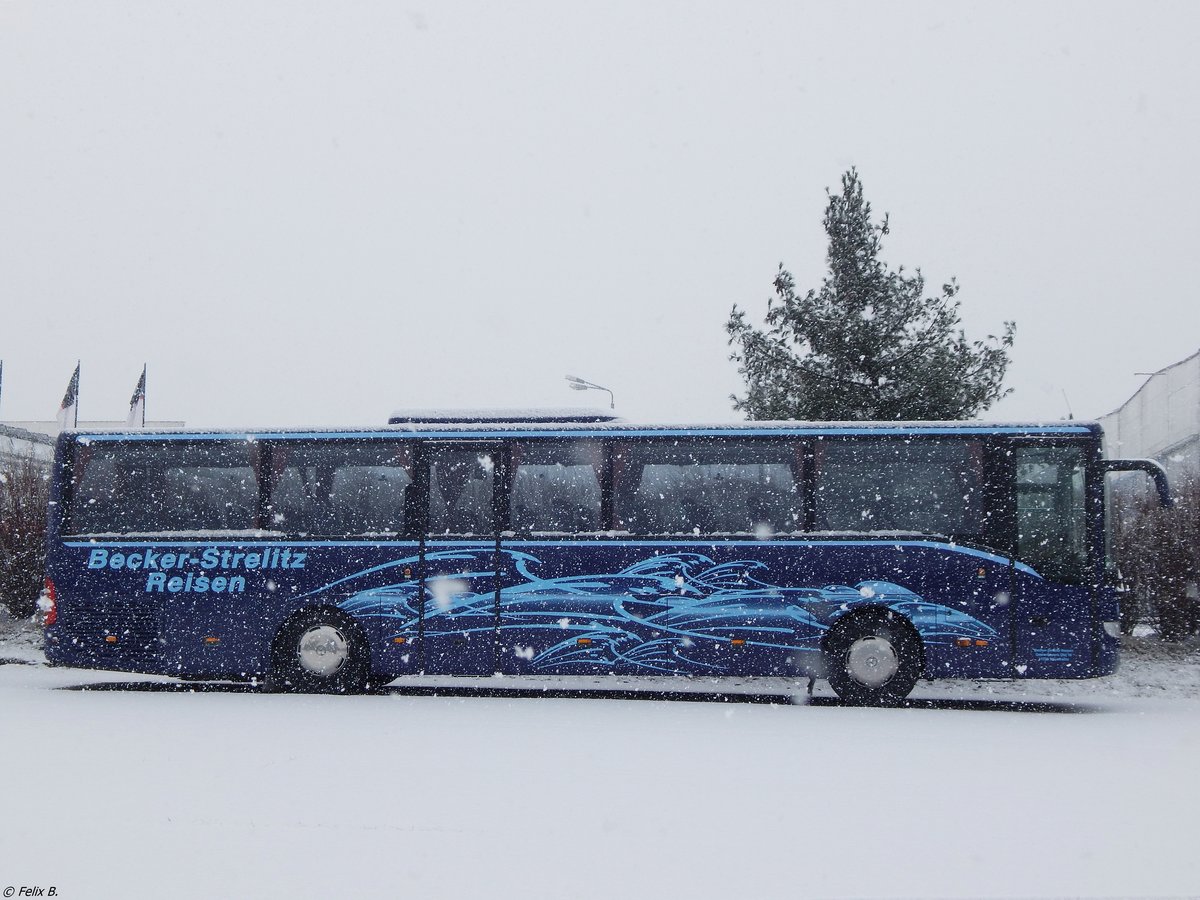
868,344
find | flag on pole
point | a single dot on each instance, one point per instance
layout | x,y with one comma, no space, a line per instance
137,403
68,410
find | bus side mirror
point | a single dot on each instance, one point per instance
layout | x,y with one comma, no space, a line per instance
1151,468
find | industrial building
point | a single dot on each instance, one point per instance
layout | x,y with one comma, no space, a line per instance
1161,421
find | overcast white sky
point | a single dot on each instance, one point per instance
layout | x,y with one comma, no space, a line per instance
314,213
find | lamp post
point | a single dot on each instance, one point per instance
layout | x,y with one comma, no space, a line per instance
578,384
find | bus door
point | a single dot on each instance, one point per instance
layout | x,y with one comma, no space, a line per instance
458,566
1052,595
563,583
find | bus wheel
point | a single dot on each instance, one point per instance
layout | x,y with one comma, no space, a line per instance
319,652
873,658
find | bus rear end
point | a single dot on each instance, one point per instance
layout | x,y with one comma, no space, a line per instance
87,623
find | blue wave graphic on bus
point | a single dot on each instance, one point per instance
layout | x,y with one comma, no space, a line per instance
663,613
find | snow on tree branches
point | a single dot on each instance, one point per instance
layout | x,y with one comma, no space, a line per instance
868,344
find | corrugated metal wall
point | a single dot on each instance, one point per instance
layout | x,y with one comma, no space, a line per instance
18,444
1161,421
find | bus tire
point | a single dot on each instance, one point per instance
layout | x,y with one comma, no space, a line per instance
320,651
873,658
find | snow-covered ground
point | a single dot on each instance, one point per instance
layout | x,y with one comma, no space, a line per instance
125,786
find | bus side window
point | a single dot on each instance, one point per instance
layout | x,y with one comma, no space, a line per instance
460,492
707,487
339,489
556,487
892,484
369,499
94,495
168,486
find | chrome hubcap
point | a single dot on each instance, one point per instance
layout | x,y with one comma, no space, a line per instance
323,650
872,661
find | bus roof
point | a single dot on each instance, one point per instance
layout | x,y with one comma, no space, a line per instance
499,429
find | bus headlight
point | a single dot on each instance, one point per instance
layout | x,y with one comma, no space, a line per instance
1112,629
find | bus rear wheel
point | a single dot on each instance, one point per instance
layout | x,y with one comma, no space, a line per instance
319,652
873,659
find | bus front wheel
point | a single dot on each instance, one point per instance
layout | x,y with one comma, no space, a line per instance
873,658
319,652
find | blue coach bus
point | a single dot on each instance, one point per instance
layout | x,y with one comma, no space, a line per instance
870,554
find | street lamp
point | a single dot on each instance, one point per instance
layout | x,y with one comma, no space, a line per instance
578,384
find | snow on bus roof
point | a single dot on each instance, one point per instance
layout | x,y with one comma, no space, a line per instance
495,416
614,428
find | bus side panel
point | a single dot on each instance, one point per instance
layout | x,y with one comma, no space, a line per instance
1058,636
267,583
739,607
570,607
585,607
211,608
458,631
101,622
956,598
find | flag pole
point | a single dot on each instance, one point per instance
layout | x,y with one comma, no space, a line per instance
70,402
137,403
